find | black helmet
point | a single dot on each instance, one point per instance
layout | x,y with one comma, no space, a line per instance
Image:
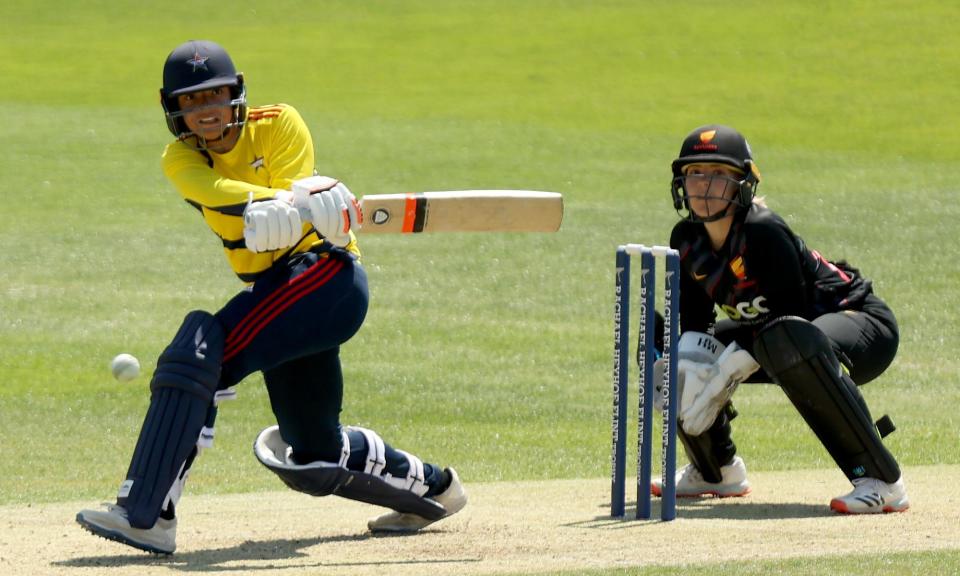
718,144
194,66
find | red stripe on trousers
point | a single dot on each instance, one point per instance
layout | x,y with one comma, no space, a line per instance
290,298
239,330
319,276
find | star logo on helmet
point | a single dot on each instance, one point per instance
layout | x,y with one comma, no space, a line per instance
198,61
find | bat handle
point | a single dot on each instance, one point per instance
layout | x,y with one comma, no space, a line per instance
303,206
301,202
305,214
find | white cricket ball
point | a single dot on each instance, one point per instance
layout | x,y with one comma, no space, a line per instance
125,367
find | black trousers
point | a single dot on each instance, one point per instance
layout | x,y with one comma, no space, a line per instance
864,340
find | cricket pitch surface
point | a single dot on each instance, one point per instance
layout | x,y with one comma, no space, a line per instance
507,527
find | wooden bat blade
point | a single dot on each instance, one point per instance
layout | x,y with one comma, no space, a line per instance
462,211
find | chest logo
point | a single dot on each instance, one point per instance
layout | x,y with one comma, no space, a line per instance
257,163
746,310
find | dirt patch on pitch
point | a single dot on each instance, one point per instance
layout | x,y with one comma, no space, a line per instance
507,527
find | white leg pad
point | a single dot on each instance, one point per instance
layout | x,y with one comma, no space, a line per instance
415,480
376,451
324,478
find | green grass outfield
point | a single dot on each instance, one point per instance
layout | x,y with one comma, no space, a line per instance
490,353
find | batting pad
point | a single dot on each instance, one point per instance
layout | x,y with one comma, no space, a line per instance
325,478
800,358
182,391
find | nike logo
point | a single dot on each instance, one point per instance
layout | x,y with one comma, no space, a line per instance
699,277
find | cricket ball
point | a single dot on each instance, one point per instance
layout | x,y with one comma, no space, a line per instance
125,367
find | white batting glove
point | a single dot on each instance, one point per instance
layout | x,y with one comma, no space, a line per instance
271,225
658,400
334,210
719,382
695,351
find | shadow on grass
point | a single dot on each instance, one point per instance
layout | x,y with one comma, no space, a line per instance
710,509
249,556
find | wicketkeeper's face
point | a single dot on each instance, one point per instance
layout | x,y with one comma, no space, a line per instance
207,113
710,187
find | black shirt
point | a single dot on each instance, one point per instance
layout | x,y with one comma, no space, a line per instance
763,271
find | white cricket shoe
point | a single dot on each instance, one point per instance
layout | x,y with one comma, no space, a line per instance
112,524
690,482
454,498
872,496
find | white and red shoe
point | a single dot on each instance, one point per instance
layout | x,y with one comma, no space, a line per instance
872,496
690,482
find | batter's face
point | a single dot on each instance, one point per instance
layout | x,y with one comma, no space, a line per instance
710,188
207,114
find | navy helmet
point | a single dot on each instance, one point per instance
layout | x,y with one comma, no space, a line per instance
194,66
715,143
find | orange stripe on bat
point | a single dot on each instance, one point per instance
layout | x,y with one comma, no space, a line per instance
409,214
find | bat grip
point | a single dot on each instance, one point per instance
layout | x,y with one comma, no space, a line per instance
301,203
305,214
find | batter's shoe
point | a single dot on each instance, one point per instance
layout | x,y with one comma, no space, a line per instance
690,483
872,496
112,524
454,498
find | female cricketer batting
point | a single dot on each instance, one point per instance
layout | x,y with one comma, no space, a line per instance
305,295
811,325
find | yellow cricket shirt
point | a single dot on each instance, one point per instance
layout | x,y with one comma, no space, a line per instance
274,149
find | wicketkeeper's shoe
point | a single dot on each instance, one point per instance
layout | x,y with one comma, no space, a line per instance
454,498
112,524
690,482
872,496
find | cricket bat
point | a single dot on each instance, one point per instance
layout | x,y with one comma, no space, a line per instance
462,211
446,211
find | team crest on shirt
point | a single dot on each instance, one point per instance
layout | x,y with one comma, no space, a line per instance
198,62
737,267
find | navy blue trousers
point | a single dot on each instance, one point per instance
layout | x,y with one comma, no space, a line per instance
290,324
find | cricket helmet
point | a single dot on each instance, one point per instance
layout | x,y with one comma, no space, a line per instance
718,144
194,66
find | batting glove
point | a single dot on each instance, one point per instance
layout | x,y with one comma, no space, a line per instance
719,382
334,210
271,225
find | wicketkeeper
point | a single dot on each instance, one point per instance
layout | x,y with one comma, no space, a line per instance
249,173
811,325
